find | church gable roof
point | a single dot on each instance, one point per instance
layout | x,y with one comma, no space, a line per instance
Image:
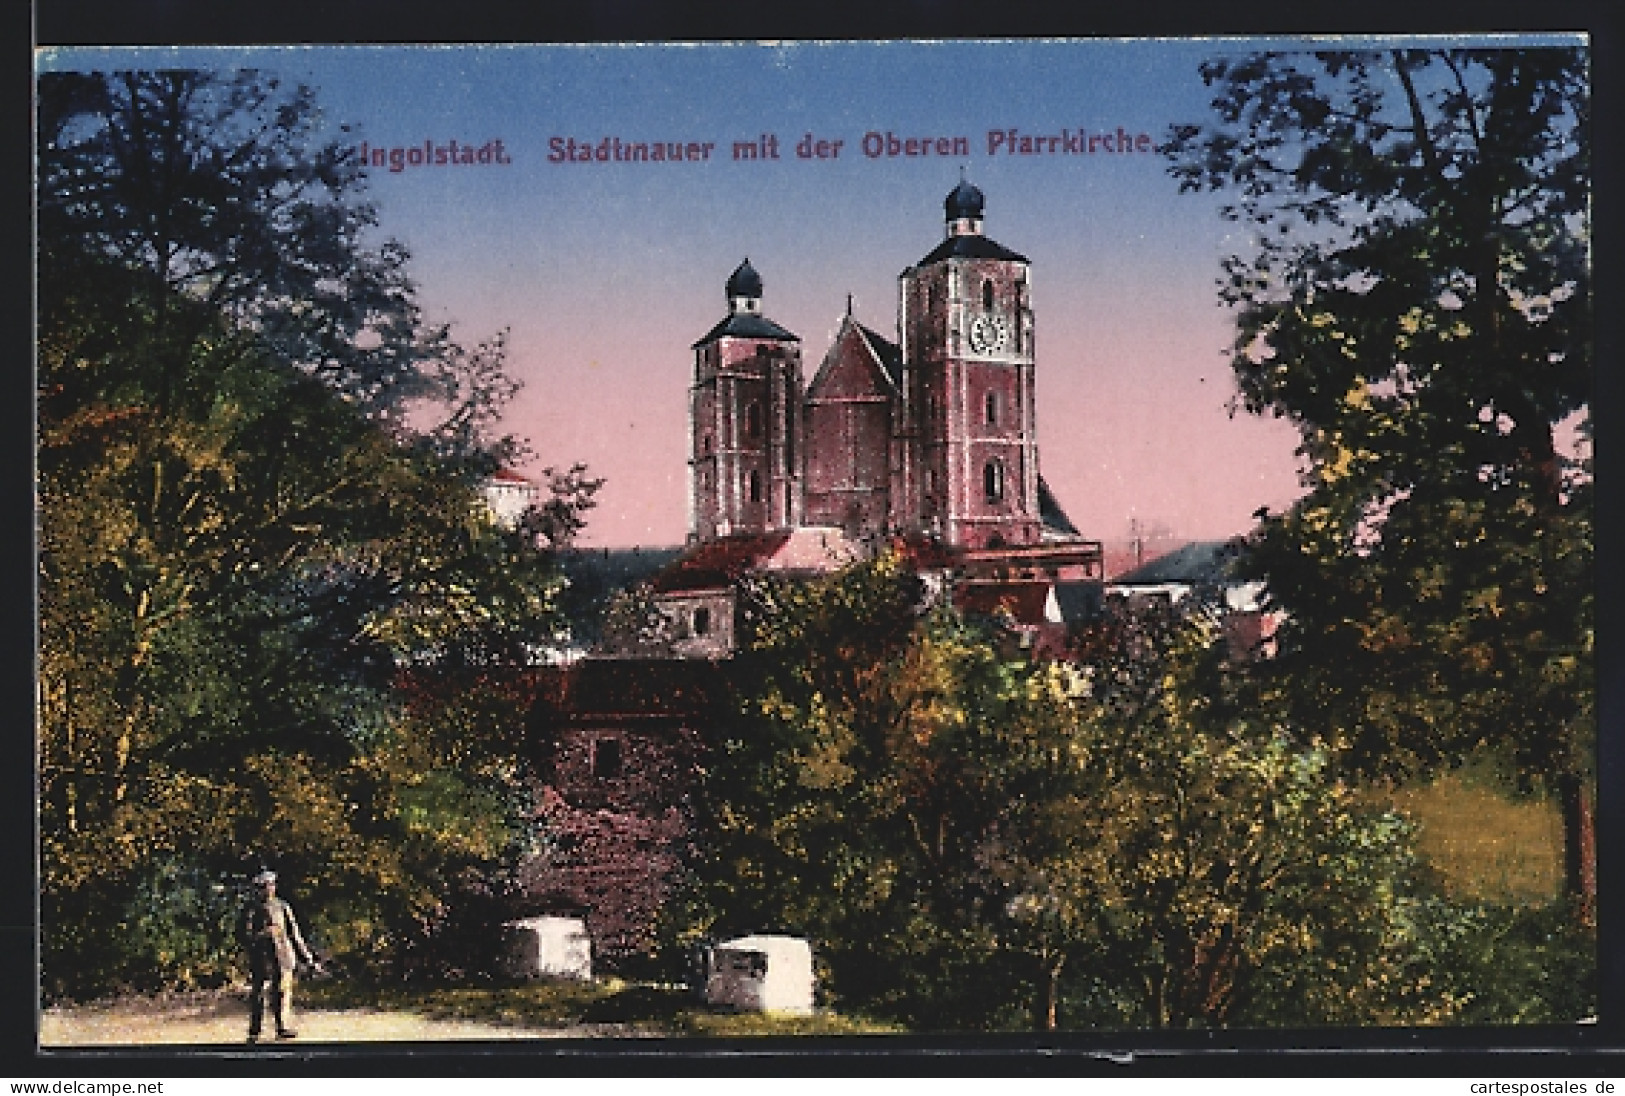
1050,513
888,353
860,363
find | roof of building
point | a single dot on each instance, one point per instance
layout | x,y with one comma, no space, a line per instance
964,200
1050,512
833,372
1199,563
747,325
723,561
1078,600
888,353
508,475
970,247
718,562
744,282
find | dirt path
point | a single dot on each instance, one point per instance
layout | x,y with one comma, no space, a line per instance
223,1019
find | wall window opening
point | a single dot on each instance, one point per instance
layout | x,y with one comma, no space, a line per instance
702,621
606,758
993,481
755,487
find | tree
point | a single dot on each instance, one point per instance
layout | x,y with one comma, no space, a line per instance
241,544
221,615
975,841
1415,297
1233,876
230,193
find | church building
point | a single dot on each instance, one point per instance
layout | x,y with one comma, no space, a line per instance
932,436
927,444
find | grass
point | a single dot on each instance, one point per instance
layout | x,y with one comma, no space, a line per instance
1487,844
644,1008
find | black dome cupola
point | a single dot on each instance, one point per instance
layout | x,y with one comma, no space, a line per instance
964,202
745,289
744,319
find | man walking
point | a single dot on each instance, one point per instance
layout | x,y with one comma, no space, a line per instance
270,935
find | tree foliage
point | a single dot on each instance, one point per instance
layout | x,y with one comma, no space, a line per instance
240,547
977,842
1415,297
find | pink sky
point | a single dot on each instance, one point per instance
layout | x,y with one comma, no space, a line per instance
605,274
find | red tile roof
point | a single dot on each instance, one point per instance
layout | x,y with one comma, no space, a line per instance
718,563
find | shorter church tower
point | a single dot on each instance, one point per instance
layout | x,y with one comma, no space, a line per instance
745,420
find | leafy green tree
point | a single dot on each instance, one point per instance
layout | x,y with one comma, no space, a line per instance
1233,876
232,193
240,546
222,612
1415,297
974,841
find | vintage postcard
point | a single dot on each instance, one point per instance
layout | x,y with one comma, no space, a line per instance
709,540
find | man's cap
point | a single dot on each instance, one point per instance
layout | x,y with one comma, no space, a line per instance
266,876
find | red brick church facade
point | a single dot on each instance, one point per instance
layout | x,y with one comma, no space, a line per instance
932,436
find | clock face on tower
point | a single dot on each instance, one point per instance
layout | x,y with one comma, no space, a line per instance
989,334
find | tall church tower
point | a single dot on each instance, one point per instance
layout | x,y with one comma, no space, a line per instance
744,420
966,465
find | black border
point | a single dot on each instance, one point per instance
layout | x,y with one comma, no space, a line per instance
1557,1053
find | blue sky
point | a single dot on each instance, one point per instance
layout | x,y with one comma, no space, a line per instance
606,273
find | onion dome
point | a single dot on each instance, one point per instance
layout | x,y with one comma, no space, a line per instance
745,319
964,202
744,282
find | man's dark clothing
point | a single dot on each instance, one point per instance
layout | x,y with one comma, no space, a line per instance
270,935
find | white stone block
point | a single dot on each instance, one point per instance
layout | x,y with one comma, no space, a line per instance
762,974
549,947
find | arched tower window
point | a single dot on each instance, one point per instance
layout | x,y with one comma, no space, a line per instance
987,293
755,486
991,405
993,481
753,420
